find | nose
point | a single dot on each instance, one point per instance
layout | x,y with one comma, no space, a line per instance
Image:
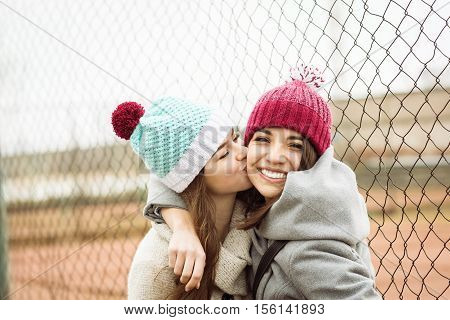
276,154
241,152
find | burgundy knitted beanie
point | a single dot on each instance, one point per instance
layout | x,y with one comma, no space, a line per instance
297,106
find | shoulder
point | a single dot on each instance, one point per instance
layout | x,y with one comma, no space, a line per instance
153,248
149,276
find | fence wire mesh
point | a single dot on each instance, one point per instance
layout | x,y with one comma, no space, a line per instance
74,194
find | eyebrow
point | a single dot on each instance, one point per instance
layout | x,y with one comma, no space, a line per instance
264,131
288,138
295,138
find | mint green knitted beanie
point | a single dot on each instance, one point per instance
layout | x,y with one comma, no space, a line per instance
174,138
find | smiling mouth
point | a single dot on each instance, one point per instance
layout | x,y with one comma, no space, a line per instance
273,175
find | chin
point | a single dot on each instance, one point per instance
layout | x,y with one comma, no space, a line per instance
268,191
269,194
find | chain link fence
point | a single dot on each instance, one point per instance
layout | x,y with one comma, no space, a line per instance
74,194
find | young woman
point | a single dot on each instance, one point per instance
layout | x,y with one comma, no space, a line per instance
188,150
305,197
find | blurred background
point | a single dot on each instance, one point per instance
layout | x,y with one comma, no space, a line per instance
72,194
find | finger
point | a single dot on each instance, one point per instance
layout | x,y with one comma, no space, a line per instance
172,258
187,270
197,274
179,263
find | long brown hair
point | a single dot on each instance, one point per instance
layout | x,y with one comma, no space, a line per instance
201,206
257,206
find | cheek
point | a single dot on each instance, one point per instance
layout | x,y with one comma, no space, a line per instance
213,182
253,177
253,156
297,163
295,159
221,183
220,173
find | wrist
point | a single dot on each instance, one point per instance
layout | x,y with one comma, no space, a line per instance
183,225
178,219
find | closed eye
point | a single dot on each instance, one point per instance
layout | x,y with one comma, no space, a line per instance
226,154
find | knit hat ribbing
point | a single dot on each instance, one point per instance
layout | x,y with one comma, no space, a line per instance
295,106
175,138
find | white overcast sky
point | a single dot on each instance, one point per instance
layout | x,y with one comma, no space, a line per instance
65,64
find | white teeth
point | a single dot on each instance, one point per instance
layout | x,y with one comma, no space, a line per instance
273,175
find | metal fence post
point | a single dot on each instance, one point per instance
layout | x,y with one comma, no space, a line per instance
4,280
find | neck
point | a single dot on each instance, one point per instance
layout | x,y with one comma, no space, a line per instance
224,210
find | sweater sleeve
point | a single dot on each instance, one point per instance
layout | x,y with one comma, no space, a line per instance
329,269
234,258
159,195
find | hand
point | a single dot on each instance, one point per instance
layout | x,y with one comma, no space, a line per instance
186,254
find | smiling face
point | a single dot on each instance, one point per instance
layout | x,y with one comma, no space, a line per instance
272,153
225,172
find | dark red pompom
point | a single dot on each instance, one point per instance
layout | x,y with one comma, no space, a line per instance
125,118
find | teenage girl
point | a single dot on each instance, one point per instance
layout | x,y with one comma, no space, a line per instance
191,150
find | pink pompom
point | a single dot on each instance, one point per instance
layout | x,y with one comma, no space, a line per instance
125,118
308,74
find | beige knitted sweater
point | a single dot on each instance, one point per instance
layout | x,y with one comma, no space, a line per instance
151,278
